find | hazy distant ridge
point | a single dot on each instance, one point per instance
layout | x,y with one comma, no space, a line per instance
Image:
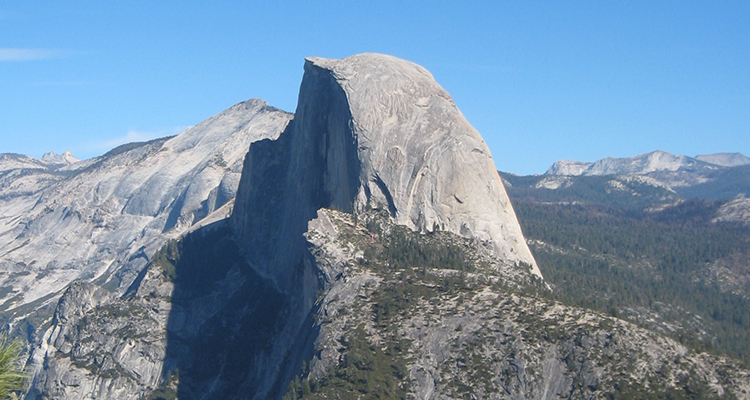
655,161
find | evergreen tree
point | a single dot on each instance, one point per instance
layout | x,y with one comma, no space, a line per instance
11,369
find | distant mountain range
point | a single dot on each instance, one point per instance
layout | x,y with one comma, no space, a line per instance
653,162
721,176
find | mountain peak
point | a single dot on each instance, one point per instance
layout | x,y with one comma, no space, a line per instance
372,131
380,65
59,160
646,163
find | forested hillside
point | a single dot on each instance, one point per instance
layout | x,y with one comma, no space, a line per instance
662,264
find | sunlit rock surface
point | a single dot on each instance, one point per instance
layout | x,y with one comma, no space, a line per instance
99,220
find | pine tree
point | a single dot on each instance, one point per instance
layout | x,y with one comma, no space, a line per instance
11,369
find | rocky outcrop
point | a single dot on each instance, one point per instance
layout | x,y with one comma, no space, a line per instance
371,131
59,160
101,346
736,210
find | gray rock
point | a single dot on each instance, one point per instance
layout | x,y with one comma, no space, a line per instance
736,210
568,167
100,346
99,219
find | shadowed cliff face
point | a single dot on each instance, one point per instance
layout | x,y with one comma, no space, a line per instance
197,323
225,320
312,165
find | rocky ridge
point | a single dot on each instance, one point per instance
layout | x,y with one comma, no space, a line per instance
725,159
720,176
100,220
736,210
653,181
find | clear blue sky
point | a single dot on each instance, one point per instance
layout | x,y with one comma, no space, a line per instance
541,81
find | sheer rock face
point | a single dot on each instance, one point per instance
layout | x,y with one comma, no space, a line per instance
371,131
